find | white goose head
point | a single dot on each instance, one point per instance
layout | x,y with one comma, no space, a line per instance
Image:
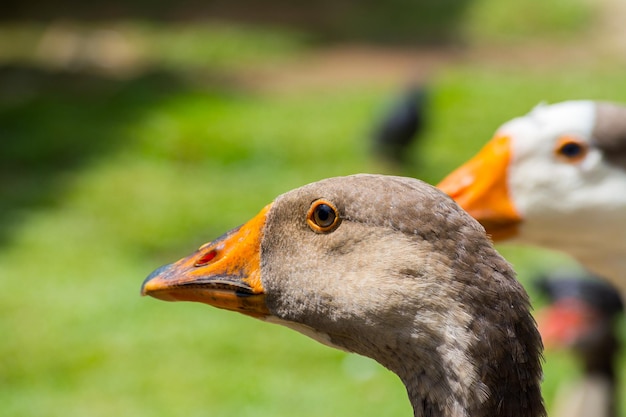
389,268
556,178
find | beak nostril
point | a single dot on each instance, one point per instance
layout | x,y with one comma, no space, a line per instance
206,258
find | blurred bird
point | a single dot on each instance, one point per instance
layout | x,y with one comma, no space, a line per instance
581,316
555,178
401,124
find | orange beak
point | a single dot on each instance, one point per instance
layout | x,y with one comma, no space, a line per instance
480,187
565,322
225,273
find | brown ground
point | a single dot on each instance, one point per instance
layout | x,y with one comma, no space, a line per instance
360,64
363,64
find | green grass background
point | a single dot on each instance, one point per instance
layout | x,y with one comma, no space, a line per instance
103,180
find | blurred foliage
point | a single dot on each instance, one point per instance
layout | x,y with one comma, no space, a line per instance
137,45
54,123
523,20
394,20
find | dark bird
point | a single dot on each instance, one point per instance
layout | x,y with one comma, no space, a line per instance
389,268
581,316
555,178
403,122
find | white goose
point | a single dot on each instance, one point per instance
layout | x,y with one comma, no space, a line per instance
389,268
555,178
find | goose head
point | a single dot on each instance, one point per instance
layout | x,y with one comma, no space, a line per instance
385,267
555,178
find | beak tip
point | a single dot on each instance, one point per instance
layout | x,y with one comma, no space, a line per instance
149,284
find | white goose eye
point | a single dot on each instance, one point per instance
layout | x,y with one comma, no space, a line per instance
571,149
323,216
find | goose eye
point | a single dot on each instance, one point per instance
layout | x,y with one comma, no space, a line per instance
571,149
323,217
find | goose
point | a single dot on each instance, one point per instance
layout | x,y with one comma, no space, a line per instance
385,267
581,316
554,178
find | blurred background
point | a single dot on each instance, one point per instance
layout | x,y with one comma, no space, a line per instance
131,132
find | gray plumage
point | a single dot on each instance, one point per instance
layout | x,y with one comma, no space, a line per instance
609,132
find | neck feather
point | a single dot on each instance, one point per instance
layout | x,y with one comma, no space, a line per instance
477,364
485,382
